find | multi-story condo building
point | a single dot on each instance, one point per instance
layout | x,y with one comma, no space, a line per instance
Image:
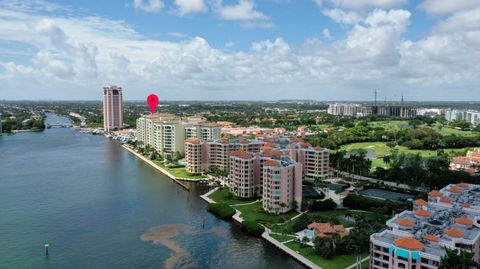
340,109
270,168
417,239
282,185
243,174
390,110
167,133
470,116
112,108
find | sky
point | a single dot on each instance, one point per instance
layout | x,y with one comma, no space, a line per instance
241,49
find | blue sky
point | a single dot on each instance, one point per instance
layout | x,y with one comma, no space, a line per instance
241,49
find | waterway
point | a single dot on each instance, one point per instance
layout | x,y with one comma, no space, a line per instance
101,207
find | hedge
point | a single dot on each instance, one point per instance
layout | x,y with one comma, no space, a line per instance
222,210
252,228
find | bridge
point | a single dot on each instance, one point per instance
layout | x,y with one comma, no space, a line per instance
59,125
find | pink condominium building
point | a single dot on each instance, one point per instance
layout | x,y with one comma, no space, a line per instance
417,239
112,108
273,169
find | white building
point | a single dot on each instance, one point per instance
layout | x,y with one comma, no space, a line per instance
167,133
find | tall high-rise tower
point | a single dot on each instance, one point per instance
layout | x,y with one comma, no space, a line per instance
112,108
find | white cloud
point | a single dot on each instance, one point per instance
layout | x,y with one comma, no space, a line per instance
258,24
340,16
190,6
442,7
73,57
243,11
148,5
326,33
363,4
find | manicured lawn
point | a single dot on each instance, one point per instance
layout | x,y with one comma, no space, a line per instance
389,125
179,171
222,196
255,212
337,262
449,131
380,149
320,215
282,237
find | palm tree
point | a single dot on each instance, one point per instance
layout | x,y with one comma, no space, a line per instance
457,259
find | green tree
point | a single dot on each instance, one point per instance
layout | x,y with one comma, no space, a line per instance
457,259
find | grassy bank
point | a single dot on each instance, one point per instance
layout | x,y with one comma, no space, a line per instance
178,172
337,262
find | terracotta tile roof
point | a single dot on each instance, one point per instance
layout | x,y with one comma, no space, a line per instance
435,193
193,140
460,160
306,145
277,153
422,213
454,233
454,190
408,243
431,237
271,163
318,148
296,139
326,229
446,200
462,185
467,205
420,202
464,221
241,154
405,222
225,141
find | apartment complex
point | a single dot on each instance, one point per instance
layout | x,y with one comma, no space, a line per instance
470,116
469,163
417,239
344,109
273,169
358,110
167,132
112,108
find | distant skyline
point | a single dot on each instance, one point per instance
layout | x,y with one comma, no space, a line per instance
427,50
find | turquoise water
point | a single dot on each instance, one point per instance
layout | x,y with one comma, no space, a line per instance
93,201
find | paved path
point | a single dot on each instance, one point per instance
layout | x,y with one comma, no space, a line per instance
353,265
377,181
289,251
206,198
165,172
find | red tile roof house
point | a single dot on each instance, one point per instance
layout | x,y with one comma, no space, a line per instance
327,230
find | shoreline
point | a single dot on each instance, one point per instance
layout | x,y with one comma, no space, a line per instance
266,236
163,171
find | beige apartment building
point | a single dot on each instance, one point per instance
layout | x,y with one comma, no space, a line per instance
167,133
417,239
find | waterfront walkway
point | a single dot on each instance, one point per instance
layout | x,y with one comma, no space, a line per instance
165,172
306,262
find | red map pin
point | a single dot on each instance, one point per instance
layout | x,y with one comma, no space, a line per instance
152,101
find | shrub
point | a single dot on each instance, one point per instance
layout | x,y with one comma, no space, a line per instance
252,228
222,210
326,205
